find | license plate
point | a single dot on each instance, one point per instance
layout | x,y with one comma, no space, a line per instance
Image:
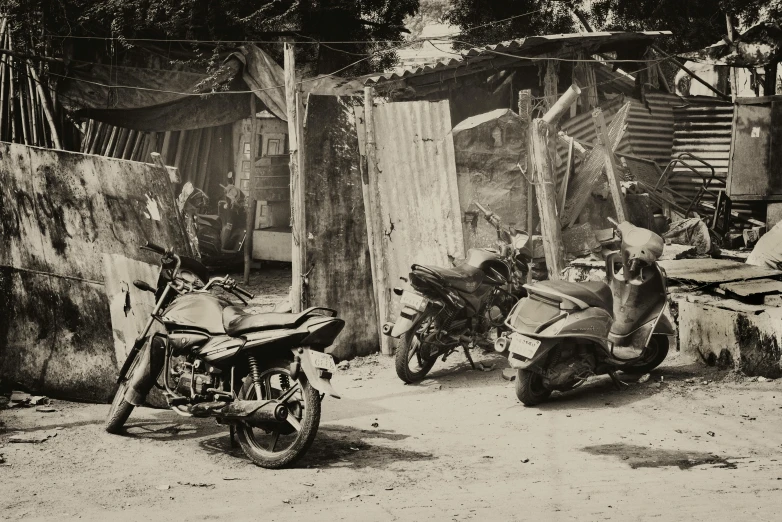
323,361
418,302
523,345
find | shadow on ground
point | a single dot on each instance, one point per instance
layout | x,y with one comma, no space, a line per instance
340,445
645,457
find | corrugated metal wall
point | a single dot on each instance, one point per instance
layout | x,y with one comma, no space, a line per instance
418,188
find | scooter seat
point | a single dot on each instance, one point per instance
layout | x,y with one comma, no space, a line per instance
464,277
237,321
593,293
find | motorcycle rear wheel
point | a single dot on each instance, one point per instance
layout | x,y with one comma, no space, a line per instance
260,445
530,389
654,355
409,350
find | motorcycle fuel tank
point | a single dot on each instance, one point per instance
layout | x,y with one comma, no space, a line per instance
200,310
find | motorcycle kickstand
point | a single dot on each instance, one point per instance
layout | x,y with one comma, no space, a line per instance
620,385
469,357
232,432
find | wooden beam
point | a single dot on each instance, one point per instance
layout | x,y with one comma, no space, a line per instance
249,224
375,222
583,180
566,179
525,113
697,78
543,175
298,225
611,169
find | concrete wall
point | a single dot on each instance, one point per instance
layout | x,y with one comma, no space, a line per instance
59,213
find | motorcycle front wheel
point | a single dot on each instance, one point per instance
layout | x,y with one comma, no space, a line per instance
281,445
120,408
411,365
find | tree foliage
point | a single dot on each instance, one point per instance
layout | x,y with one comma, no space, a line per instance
694,23
371,26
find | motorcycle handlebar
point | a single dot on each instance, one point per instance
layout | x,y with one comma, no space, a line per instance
245,293
155,248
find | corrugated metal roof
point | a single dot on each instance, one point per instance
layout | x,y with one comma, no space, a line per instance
532,46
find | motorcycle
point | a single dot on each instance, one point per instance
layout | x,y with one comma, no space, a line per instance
463,306
563,332
264,375
221,237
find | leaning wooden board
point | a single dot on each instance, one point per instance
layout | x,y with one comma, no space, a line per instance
713,271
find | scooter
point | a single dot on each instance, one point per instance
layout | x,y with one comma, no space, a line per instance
563,332
221,237
462,306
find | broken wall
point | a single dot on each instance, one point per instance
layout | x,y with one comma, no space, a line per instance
487,151
59,213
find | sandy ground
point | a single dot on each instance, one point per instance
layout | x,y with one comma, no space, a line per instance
702,445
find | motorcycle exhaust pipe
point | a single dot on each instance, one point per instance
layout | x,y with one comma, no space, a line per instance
501,344
254,413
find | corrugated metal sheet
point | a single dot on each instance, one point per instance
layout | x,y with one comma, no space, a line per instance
702,128
418,187
530,46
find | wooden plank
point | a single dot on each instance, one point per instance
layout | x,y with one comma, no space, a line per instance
583,180
609,165
374,214
566,179
753,287
711,271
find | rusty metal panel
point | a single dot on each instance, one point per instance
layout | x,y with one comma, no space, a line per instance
418,187
59,212
338,263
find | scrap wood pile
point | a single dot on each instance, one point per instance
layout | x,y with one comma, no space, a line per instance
598,183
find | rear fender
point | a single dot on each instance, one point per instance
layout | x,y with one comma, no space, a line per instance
518,362
318,378
146,371
408,318
322,330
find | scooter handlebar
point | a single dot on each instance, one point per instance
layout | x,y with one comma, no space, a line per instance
155,248
242,291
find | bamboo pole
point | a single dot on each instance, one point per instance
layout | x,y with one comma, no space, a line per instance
203,157
3,75
298,226
249,224
32,106
96,138
192,156
375,222
131,141
11,104
119,147
47,109
180,149
164,152
134,155
110,142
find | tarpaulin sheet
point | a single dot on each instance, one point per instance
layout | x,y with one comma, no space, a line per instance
159,100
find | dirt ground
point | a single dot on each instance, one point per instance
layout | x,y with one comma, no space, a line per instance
700,445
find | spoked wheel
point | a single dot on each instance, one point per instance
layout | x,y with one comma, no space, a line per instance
530,388
653,356
120,408
280,445
412,360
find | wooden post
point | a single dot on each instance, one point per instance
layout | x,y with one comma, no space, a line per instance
47,108
610,165
375,222
298,226
249,224
525,112
543,175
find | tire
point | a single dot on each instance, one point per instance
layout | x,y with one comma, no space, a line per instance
407,349
307,411
656,352
530,388
120,408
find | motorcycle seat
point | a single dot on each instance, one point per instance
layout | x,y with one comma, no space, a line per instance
464,277
237,321
593,293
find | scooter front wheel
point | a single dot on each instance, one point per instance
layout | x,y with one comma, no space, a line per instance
530,388
653,356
